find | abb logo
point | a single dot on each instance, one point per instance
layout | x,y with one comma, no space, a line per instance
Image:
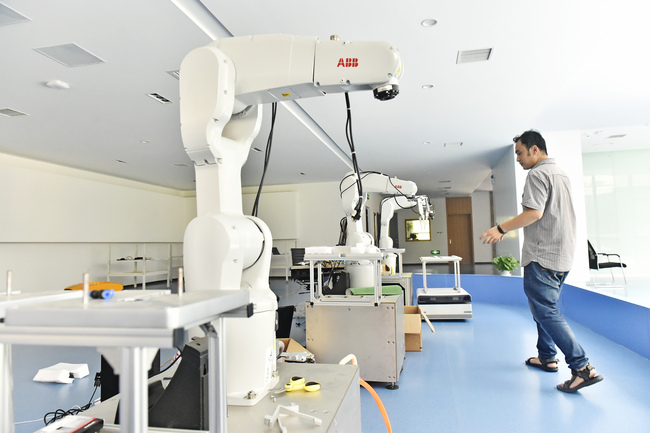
398,186
348,62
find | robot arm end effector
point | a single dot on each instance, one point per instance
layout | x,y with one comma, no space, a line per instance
387,91
425,209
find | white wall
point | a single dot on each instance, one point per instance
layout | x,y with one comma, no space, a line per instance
481,221
56,222
506,197
417,249
279,210
319,211
617,195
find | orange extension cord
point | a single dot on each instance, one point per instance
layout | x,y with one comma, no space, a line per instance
353,359
380,405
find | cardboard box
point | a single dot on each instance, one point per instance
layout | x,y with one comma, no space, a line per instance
295,352
291,345
413,317
412,328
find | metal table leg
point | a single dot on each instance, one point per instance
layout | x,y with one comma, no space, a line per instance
134,415
218,404
6,390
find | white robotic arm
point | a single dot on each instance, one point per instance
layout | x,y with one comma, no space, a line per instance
391,204
354,204
361,273
222,86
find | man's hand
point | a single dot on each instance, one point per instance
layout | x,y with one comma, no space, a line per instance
491,236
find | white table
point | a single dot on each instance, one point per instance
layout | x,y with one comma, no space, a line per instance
133,323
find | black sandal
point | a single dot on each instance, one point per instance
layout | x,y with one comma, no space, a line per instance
584,375
544,364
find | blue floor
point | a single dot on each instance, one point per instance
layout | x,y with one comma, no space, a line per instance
471,377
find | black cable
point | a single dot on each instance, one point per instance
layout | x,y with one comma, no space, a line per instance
396,202
176,358
267,157
395,188
364,174
60,413
348,134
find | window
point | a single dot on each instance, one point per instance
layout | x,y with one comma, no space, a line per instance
418,230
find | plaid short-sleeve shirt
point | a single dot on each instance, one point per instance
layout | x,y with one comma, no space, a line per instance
551,240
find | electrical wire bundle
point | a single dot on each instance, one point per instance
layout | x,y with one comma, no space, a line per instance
355,166
267,157
58,414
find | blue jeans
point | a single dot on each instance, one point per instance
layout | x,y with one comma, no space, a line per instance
543,287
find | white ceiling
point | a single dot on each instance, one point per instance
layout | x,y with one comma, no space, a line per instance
556,65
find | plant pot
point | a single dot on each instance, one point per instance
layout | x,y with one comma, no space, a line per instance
505,273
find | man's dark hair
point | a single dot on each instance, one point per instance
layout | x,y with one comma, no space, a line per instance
532,138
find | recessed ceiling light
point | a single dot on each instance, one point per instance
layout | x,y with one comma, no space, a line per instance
160,98
617,136
444,181
144,141
10,16
454,144
427,86
257,149
57,84
468,56
175,74
429,22
302,174
181,165
426,142
120,161
70,55
9,112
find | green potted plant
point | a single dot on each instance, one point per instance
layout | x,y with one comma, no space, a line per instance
505,264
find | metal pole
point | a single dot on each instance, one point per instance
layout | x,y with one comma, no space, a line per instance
6,390
218,410
134,415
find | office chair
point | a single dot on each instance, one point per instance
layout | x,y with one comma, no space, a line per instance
596,264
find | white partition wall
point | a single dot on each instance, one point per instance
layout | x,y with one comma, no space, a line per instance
56,223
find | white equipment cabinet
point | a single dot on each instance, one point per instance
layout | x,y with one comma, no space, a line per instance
444,302
374,334
370,327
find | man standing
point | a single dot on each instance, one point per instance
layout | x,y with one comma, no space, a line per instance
549,227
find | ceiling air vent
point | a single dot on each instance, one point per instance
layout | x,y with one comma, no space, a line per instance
10,16
473,55
159,98
8,112
70,55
